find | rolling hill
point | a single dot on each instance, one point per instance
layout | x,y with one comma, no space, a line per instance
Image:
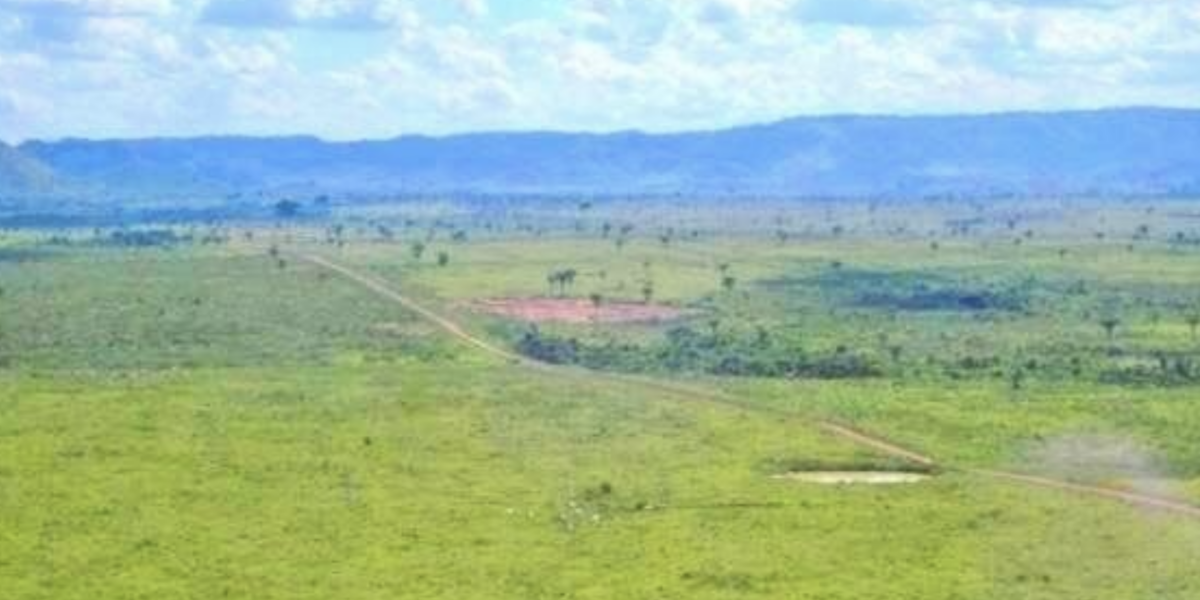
1139,151
21,174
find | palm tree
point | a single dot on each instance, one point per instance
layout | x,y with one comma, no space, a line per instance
568,277
1193,320
1016,379
1110,324
647,291
562,279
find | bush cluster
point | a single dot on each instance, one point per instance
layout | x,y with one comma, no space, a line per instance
685,349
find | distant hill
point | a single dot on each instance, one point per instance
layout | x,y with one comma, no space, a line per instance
1107,152
20,173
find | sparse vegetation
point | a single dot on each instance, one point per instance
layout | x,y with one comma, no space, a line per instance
169,396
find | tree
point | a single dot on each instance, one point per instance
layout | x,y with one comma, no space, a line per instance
647,291
714,327
443,258
762,337
597,299
562,279
1192,318
1110,324
1016,379
417,249
287,209
728,282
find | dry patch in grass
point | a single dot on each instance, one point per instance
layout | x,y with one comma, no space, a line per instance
854,477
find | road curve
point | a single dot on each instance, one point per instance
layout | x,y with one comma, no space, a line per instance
674,388
690,393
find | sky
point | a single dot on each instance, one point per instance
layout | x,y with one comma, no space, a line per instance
350,69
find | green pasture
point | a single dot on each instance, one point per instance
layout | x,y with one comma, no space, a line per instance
227,421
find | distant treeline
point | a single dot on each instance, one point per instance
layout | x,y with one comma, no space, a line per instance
74,216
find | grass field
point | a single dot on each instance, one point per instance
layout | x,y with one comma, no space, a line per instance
227,420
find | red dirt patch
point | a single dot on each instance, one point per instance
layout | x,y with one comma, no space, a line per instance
578,311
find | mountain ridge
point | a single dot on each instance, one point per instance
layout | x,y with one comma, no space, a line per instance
1122,151
22,173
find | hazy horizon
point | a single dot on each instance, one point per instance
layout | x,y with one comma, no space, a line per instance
383,137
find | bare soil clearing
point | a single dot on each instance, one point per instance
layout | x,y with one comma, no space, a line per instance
854,477
864,439
577,311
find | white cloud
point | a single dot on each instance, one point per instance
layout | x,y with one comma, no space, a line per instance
473,8
329,14
88,7
143,67
862,13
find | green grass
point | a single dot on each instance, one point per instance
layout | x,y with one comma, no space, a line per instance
156,309
200,423
262,484
972,415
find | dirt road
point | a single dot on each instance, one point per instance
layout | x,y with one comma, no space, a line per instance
683,392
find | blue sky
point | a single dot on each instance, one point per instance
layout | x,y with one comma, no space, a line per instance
377,68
